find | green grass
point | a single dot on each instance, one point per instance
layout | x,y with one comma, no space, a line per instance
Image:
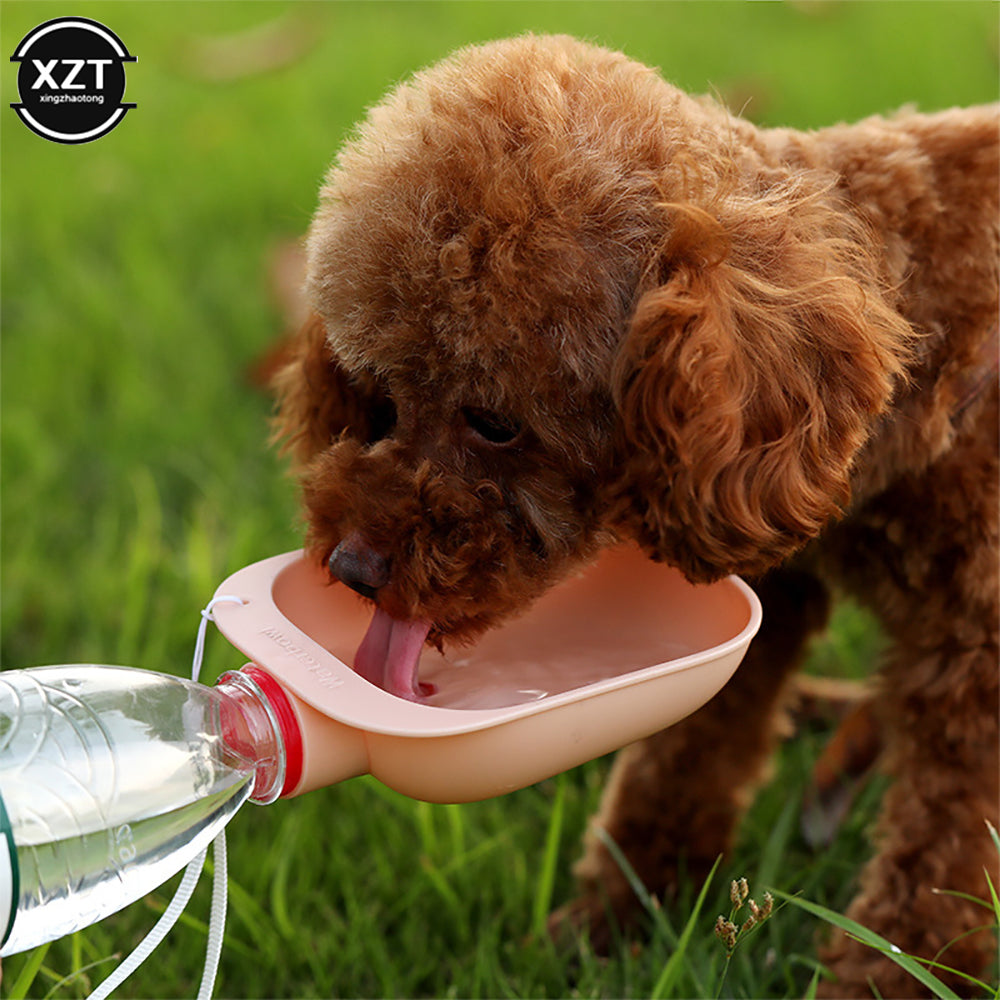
136,476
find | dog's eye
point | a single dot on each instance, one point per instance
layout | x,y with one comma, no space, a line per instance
492,427
381,419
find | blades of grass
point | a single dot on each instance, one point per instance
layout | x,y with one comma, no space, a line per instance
876,941
423,815
27,974
157,903
280,911
810,993
372,948
545,885
94,945
456,827
649,904
443,887
989,882
996,909
199,554
254,918
972,980
144,552
776,846
993,896
967,896
668,978
430,850
413,890
80,972
76,951
462,861
384,792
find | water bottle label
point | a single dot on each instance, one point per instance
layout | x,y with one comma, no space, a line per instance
10,876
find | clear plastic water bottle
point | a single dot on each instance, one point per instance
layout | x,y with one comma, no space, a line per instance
112,779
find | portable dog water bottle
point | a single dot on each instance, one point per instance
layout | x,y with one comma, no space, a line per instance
626,648
112,779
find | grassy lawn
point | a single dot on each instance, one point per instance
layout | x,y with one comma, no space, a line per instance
136,473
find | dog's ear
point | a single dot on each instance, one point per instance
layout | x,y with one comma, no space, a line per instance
318,400
748,382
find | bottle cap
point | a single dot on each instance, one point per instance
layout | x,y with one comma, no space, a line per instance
291,731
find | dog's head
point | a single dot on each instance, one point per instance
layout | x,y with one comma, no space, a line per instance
558,303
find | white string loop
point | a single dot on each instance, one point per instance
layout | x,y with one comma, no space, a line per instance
206,617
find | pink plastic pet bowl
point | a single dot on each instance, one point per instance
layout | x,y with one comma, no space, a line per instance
622,650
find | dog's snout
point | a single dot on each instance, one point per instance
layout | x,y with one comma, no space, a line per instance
355,563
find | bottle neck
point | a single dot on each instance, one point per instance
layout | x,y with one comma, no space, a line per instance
259,724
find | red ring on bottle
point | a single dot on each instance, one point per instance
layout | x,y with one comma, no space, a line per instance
287,721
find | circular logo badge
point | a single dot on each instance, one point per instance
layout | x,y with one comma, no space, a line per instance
71,80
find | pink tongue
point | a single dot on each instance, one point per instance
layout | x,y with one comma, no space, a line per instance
389,653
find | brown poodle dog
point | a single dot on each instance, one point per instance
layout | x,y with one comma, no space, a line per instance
558,304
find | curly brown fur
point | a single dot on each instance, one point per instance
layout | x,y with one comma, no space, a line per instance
558,303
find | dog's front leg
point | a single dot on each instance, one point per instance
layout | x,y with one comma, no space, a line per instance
924,557
934,846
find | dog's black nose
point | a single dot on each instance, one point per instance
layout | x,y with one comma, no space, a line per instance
355,563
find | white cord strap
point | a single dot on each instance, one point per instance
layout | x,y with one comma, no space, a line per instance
160,930
217,913
216,919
